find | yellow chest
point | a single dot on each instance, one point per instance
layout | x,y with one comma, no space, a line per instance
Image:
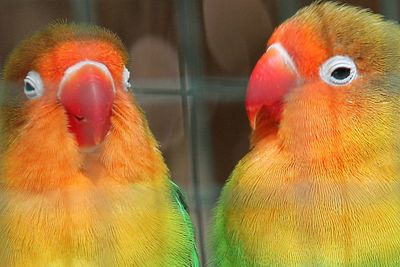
95,225
299,215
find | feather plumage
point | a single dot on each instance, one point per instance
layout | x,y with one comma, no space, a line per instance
320,186
63,206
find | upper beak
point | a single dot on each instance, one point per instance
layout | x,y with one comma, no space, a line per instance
87,94
273,76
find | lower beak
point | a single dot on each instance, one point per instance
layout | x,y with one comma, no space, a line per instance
87,94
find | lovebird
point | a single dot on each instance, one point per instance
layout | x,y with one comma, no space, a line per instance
320,185
82,180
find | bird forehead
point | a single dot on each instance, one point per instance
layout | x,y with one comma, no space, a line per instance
303,44
53,64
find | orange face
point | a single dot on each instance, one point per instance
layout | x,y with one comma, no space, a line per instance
313,77
293,58
83,76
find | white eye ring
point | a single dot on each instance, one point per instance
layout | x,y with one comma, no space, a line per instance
33,87
125,79
338,70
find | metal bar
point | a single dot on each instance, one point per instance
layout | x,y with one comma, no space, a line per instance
84,11
158,91
190,41
287,8
214,85
391,9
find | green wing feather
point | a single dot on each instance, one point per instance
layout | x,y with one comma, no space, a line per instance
180,199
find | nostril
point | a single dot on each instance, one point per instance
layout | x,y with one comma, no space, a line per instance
79,118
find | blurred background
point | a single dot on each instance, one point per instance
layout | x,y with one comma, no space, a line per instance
190,61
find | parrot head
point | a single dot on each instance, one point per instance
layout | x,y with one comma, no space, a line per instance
327,72
80,68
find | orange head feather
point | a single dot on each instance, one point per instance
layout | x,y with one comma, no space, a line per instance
76,88
72,64
328,73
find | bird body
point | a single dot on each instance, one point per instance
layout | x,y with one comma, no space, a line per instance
320,185
83,184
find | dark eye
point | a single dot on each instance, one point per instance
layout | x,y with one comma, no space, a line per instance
29,87
341,73
338,70
33,86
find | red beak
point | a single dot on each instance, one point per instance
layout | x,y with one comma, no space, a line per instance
87,94
273,76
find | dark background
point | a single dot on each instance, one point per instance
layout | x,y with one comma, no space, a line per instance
190,61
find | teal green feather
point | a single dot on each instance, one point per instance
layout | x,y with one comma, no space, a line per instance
180,200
